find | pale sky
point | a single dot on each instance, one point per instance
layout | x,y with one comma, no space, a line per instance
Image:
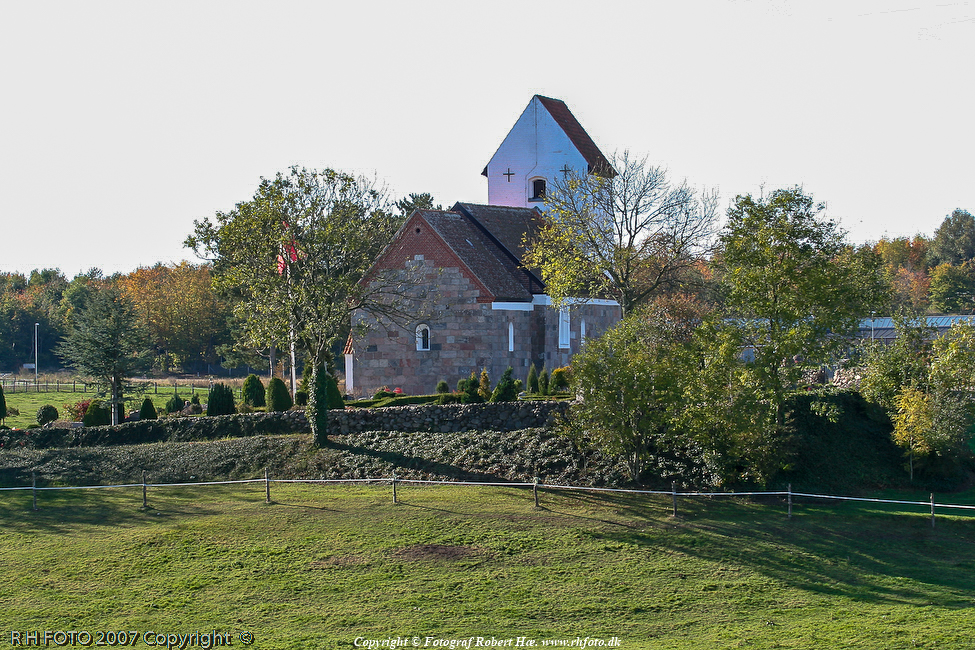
123,121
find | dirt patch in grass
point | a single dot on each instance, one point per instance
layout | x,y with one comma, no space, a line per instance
419,552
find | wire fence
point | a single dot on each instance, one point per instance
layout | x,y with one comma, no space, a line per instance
536,486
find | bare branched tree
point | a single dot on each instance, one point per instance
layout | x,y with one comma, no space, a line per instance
629,235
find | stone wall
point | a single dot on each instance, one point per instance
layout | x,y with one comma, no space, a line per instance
503,416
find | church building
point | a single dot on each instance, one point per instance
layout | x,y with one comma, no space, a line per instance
485,308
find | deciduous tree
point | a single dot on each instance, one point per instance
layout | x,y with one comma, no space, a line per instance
794,287
628,235
299,255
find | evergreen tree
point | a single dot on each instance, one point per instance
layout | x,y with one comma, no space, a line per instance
533,379
506,390
484,385
175,404
220,401
543,382
252,391
107,342
278,397
148,410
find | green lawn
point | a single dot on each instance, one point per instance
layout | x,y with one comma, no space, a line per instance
28,402
323,566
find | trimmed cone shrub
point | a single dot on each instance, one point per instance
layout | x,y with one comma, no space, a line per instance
46,413
533,379
175,404
277,397
220,401
484,385
505,390
334,396
148,410
98,414
543,382
252,391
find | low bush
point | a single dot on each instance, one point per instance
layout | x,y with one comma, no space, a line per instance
175,404
442,387
46,413
98,414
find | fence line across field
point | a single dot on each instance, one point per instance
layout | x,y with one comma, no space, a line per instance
14,386
536,485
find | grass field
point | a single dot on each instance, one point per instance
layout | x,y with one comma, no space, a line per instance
28,402
321,567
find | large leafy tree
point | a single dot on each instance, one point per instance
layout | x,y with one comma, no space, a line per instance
107,343
298,257
794,287
177,303
627,233
954,240
630,382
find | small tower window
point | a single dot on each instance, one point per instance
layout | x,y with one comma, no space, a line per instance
422,337
538,189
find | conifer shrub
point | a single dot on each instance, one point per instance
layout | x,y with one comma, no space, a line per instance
505,391
252,391
98,414
484,385
46,413
471,393
195,400
220,401
175,404
442,387
301,398
148,410
533,379
333,397
559,381
543,382
277,397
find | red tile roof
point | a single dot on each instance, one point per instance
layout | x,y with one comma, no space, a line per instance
598,164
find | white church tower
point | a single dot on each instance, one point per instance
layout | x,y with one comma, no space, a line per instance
545,144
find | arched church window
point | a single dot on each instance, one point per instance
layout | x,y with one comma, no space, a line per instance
538,189
422,337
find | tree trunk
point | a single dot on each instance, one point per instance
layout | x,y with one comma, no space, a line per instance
317,409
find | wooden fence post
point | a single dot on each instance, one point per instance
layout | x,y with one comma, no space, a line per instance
33,483
394,487
535,491
932,510
790,500
673,491
267,488
145,503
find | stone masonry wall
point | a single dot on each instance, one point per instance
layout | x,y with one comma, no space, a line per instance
503,416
